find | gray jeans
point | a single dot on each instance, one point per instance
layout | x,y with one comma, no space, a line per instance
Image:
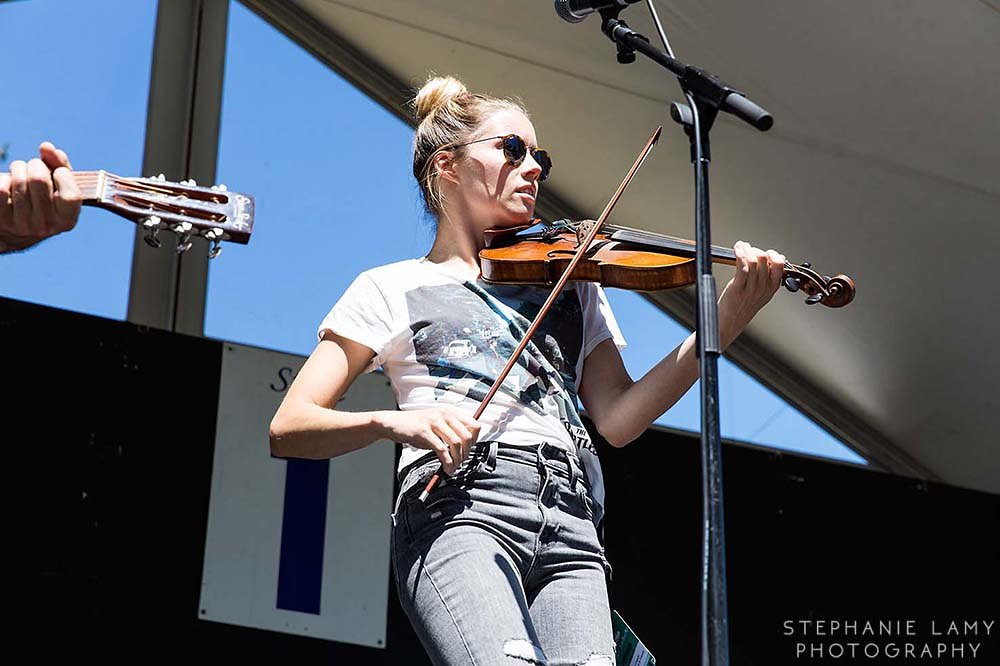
503,565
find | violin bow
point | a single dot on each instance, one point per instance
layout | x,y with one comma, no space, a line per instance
581,251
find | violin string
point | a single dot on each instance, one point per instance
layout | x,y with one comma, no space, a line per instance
679,243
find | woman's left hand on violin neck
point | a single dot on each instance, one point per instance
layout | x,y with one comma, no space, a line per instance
758,277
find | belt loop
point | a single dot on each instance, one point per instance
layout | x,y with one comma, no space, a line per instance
491,459
543,469
485,457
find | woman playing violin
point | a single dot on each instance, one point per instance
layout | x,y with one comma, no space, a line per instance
504,562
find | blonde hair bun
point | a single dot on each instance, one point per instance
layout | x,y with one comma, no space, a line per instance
437,93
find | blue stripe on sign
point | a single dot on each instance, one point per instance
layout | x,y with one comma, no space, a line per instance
303,530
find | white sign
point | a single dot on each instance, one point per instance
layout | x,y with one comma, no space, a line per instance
296,546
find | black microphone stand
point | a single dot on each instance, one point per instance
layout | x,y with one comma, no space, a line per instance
706,96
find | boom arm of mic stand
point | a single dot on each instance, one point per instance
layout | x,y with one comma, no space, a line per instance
702,84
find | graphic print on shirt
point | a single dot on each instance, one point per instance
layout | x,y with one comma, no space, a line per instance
465,333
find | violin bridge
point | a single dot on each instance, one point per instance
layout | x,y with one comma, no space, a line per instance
583,228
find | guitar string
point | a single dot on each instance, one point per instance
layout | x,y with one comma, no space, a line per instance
91,178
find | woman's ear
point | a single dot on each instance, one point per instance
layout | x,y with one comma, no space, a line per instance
444,165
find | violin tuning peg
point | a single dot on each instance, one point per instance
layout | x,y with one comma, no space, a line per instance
791,284
806,264
814,299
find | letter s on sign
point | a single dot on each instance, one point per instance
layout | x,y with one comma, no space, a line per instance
286,375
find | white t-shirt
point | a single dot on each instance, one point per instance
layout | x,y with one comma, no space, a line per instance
442,339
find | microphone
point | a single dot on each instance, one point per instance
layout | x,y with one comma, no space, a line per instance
575,11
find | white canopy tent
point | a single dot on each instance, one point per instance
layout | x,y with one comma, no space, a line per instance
882,164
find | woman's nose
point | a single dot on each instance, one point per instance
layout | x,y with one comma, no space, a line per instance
531,166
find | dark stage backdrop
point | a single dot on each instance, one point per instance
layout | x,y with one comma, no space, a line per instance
109,429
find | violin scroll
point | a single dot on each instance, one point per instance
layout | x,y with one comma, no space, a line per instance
833,292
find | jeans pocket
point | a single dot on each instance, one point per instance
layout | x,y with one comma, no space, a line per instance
427,519
414,483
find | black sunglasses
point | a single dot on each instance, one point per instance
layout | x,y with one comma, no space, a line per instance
514,149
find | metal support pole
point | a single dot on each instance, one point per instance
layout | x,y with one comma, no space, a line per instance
167,291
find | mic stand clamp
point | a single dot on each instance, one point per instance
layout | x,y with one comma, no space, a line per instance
707,88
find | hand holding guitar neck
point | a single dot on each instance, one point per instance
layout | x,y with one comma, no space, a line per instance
38,199
43,198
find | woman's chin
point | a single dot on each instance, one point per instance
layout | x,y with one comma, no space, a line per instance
513,214
524,214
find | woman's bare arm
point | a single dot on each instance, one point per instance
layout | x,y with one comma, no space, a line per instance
306,425
622,409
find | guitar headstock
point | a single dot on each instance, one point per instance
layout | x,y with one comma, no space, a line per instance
184,208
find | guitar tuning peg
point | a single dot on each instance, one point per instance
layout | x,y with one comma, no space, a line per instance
215,236
214,251
183,231
152,227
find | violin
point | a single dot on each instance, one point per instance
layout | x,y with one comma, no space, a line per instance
538,253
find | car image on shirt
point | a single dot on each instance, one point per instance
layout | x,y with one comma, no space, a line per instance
456,349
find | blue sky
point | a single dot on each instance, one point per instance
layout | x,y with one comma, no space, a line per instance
330,171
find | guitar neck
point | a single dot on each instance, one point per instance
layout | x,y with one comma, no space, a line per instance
90,183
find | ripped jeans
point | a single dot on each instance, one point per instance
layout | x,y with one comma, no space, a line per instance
503,565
